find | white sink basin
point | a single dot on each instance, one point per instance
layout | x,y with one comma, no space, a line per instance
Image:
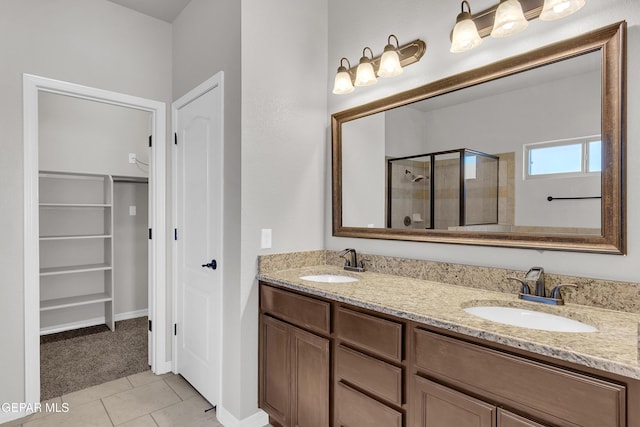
329,278
530,319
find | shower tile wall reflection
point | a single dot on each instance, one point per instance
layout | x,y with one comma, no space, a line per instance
409,188
465,190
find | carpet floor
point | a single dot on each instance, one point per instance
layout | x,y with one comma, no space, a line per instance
73,360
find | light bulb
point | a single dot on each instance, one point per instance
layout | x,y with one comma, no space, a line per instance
365,76
390,61
556,9
509,19
342,83
465,34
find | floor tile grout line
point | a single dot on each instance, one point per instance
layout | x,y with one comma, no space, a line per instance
153,419
107,412
130,383
101,397
173,389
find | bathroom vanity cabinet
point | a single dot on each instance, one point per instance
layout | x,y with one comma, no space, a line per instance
369,386
454,380
327,363
294,358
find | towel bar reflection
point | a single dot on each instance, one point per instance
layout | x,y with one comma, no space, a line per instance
551,199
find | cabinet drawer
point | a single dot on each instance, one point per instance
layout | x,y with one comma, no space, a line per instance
379,336
435,405
377,377
354,409
301,311
552,393
507,419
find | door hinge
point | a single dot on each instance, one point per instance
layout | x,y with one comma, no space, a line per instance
150,140
150,325
175,138
175,329
150,234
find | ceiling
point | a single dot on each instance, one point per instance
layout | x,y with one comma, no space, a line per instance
166,10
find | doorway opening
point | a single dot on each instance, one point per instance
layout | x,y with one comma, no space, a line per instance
60,213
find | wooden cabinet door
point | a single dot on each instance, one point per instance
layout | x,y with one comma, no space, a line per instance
435,405
509,419
275,369
309,380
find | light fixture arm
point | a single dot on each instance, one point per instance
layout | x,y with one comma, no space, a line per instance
389,40
364,53
468,7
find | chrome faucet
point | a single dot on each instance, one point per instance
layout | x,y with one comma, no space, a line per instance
351,264
535,277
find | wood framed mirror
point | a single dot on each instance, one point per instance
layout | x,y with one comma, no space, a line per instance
527,152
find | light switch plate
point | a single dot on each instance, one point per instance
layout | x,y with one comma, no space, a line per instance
265,241
132,210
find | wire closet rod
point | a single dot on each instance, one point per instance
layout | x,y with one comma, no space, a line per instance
551,199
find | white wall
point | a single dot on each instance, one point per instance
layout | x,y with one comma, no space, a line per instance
206,40
90,42
280,131
284,127
274,149
131,243
363,182
405,132
359,23
77,135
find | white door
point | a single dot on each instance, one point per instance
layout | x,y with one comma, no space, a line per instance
199,258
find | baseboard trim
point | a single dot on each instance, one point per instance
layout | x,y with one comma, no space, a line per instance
6,417
259,419
91,322
131,315
162,368
70,326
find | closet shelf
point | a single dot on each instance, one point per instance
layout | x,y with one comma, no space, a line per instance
54,304
76,237
53,271
76,219
75,205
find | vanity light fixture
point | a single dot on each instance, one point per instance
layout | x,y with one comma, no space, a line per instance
389,64
465,34
343,84
509,19
556,9
365,76
390,61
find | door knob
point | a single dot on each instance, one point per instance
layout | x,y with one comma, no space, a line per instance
212,265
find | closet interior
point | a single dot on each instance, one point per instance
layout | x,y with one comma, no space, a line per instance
93,213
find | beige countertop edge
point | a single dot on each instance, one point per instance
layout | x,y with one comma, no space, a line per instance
625,368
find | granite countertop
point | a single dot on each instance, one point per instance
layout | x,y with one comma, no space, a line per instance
613,348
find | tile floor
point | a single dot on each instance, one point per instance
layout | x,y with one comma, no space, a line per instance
140,400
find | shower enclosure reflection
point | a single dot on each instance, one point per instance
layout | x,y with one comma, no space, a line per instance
448,190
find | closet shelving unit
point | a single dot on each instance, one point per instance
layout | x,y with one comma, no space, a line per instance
76,244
